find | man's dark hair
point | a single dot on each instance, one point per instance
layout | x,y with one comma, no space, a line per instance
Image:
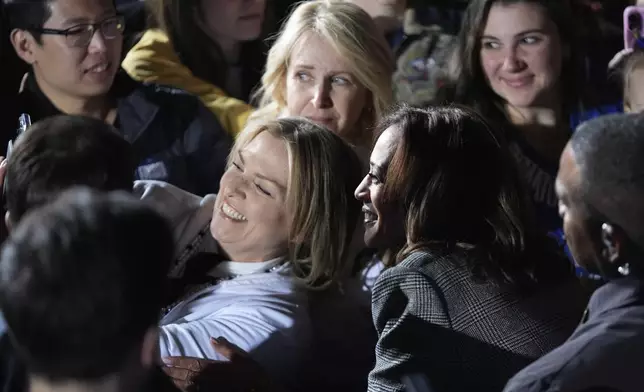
81,281
27,14
609,151
62,151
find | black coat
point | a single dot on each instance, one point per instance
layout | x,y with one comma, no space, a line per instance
176,139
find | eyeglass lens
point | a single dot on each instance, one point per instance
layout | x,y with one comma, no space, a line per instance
110,29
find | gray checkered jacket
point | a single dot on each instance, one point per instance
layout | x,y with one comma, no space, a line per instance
433,318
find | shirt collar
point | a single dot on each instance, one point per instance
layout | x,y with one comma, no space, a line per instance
616,294
236,268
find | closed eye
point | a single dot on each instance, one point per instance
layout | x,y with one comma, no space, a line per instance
374,178
262,190
77,30
237,166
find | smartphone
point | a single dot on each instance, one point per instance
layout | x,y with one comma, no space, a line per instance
24,122
633,27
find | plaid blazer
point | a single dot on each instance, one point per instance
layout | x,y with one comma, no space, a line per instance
433,318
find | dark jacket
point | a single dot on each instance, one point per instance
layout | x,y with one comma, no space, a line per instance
175,138
13,376
605,353
434,318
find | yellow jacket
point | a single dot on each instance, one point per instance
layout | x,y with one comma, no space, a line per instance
153,59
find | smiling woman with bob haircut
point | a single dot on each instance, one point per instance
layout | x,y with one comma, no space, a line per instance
280,227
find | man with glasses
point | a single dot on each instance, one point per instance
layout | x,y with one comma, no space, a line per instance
74,50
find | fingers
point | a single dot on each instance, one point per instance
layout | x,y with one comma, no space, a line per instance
619,57
178,373
187,363
227,349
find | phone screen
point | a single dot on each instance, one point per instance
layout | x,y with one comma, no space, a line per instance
634,27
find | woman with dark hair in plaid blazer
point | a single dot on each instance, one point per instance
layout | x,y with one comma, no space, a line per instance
473,291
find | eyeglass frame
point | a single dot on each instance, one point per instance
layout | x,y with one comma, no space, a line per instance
94,28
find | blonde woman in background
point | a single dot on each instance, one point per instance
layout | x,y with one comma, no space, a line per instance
330,64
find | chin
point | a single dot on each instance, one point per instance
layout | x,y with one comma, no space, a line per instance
98,90
369,241
522,102
250,33
371,238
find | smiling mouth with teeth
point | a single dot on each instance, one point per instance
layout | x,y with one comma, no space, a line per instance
369,216
99,68
230,212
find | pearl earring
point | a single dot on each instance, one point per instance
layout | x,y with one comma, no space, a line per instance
625,269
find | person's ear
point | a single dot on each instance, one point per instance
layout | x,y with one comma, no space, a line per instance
24,44
149,348
612,242
7,221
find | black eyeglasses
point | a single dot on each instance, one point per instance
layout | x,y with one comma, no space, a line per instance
80,36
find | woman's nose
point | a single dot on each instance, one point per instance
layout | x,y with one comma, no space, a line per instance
362,191
322,96
237,187
512,61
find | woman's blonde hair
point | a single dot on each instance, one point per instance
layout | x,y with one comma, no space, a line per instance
323,172
355,36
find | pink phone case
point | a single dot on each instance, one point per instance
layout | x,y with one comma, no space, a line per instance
631,37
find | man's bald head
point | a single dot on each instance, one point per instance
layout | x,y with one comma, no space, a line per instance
609,151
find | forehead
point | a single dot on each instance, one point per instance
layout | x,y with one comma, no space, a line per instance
385,145
569,174
313,50
79,10
507,20
269,154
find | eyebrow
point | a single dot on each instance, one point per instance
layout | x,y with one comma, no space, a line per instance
526,32
311,67
261,176
84,20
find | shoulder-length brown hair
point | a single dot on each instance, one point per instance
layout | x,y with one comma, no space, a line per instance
457,185
468,84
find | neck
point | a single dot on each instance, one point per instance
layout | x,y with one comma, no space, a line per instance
99,107
243,256
549,117
231,50
108,384
543,128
